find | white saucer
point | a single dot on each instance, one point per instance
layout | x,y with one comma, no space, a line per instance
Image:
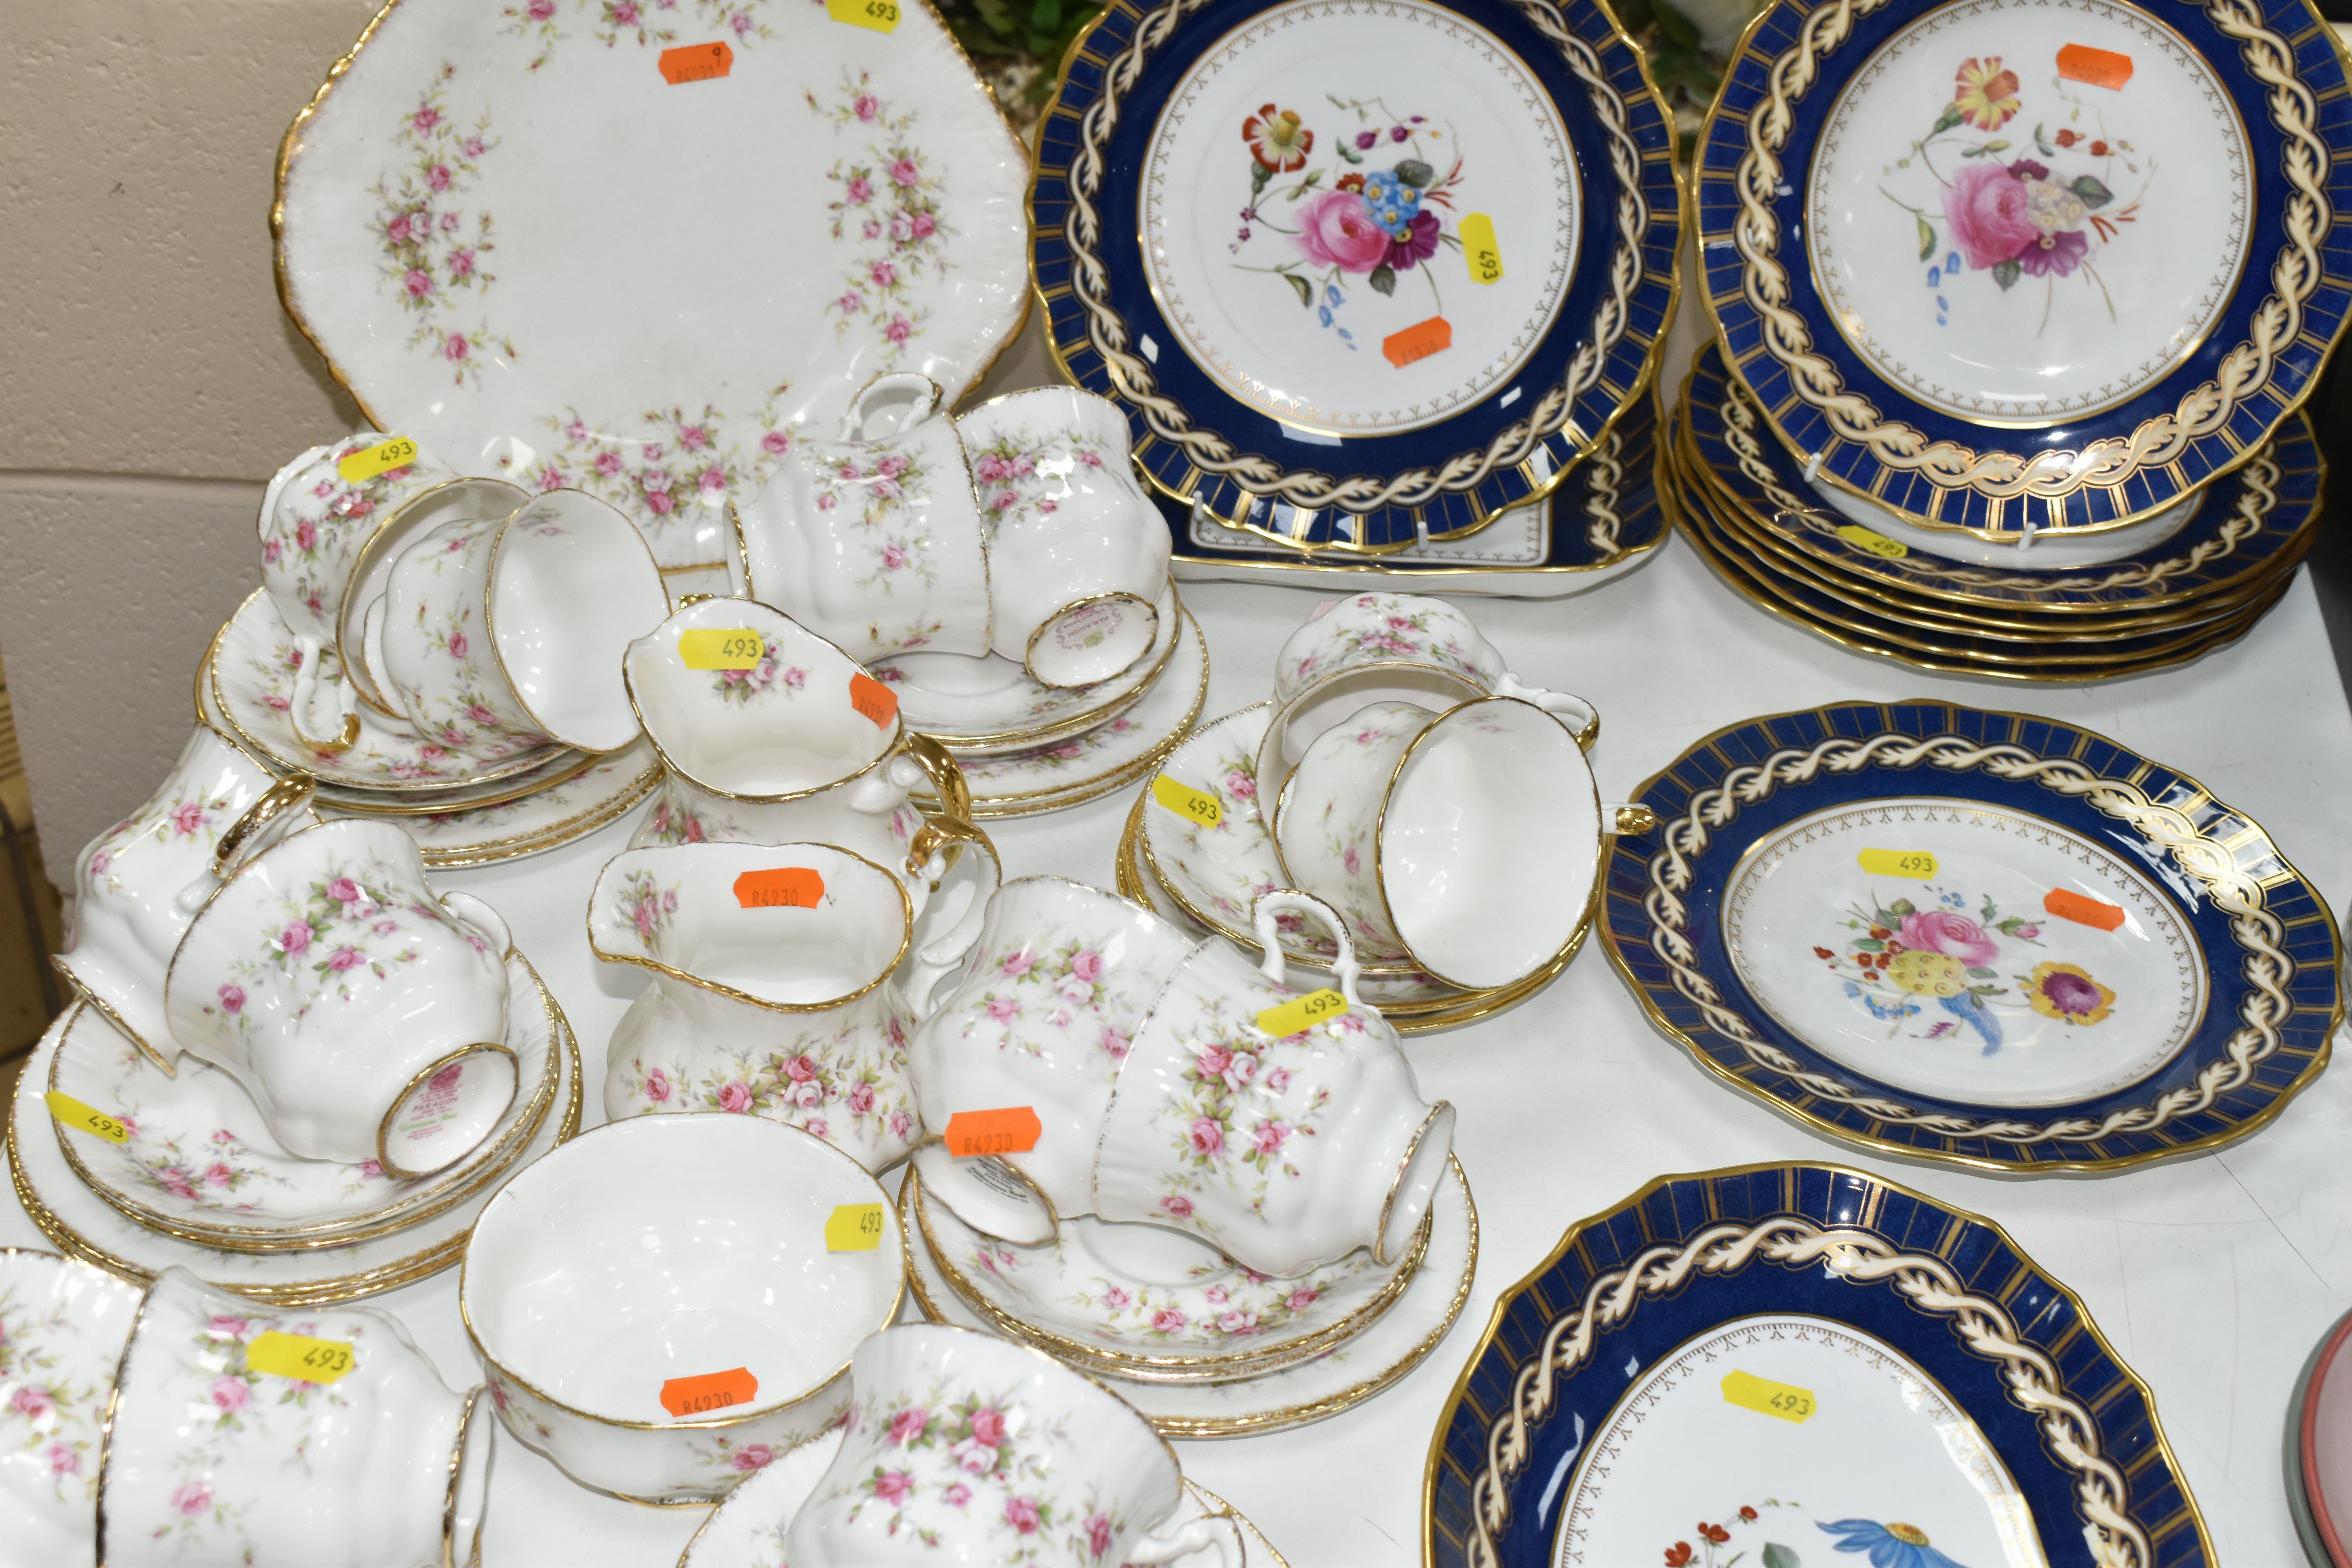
82,1225
201,1164
1151,1303
984,707
569,809
1339,1380
1086,766
747,1530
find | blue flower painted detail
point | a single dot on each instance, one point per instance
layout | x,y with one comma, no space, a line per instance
1890,1546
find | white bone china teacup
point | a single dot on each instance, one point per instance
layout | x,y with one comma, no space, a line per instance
963,1449
364,1012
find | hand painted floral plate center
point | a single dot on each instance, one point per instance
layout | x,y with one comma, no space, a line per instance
1854,1449
2019,214
1363,229
1973,954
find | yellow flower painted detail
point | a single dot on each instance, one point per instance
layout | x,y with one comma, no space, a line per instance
1925,974
1985,94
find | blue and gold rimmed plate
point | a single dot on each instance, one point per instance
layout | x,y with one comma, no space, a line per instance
1849,620
1986,938
1362,273
1602,522
2256,520
2005,266
1781,1365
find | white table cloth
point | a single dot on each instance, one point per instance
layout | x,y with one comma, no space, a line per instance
2212,1277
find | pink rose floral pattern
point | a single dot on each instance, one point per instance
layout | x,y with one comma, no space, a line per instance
45,1414
227,1400
1063,988
459,704
1379,208
667,469
769,677
1224,1303
1017,476
432,253
889,488
984,1460
185,816
2013,203
1231,1120
326,935
648,24
1927,968
832,1083
887,211
302,544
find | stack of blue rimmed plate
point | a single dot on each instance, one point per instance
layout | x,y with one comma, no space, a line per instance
2016,309
1370,283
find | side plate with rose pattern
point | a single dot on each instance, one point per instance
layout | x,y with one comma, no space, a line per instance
2004,266
1362,273
1782,1365
1983,937
640,247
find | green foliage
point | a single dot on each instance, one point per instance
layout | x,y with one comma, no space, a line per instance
1041,30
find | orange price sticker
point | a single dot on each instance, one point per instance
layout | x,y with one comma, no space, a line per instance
1419,340
874,700
797,887
710,1391
1010,1131
2083,908
696,62
2099,67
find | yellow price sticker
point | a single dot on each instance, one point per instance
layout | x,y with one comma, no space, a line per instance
1914,863
1861,537
882,16
1315,1007
715,648
1766,1397
299,1356
1479,251
381,458
1187,803
854,1227
74,1113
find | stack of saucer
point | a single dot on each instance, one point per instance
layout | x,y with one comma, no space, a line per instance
1371,673
1025,748
1742,503
2016,313
1170,1220
438,650
295,1069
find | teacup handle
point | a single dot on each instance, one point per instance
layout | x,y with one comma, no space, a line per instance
940,844
1218,1530
469,911
1582,719
939,766
895,403
264,823
1628,819
1290,900
306,692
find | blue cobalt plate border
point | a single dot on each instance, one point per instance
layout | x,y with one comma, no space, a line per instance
2012,1346
1194,441
1788,594
1929,464
2245,522
2270,941
1603,514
